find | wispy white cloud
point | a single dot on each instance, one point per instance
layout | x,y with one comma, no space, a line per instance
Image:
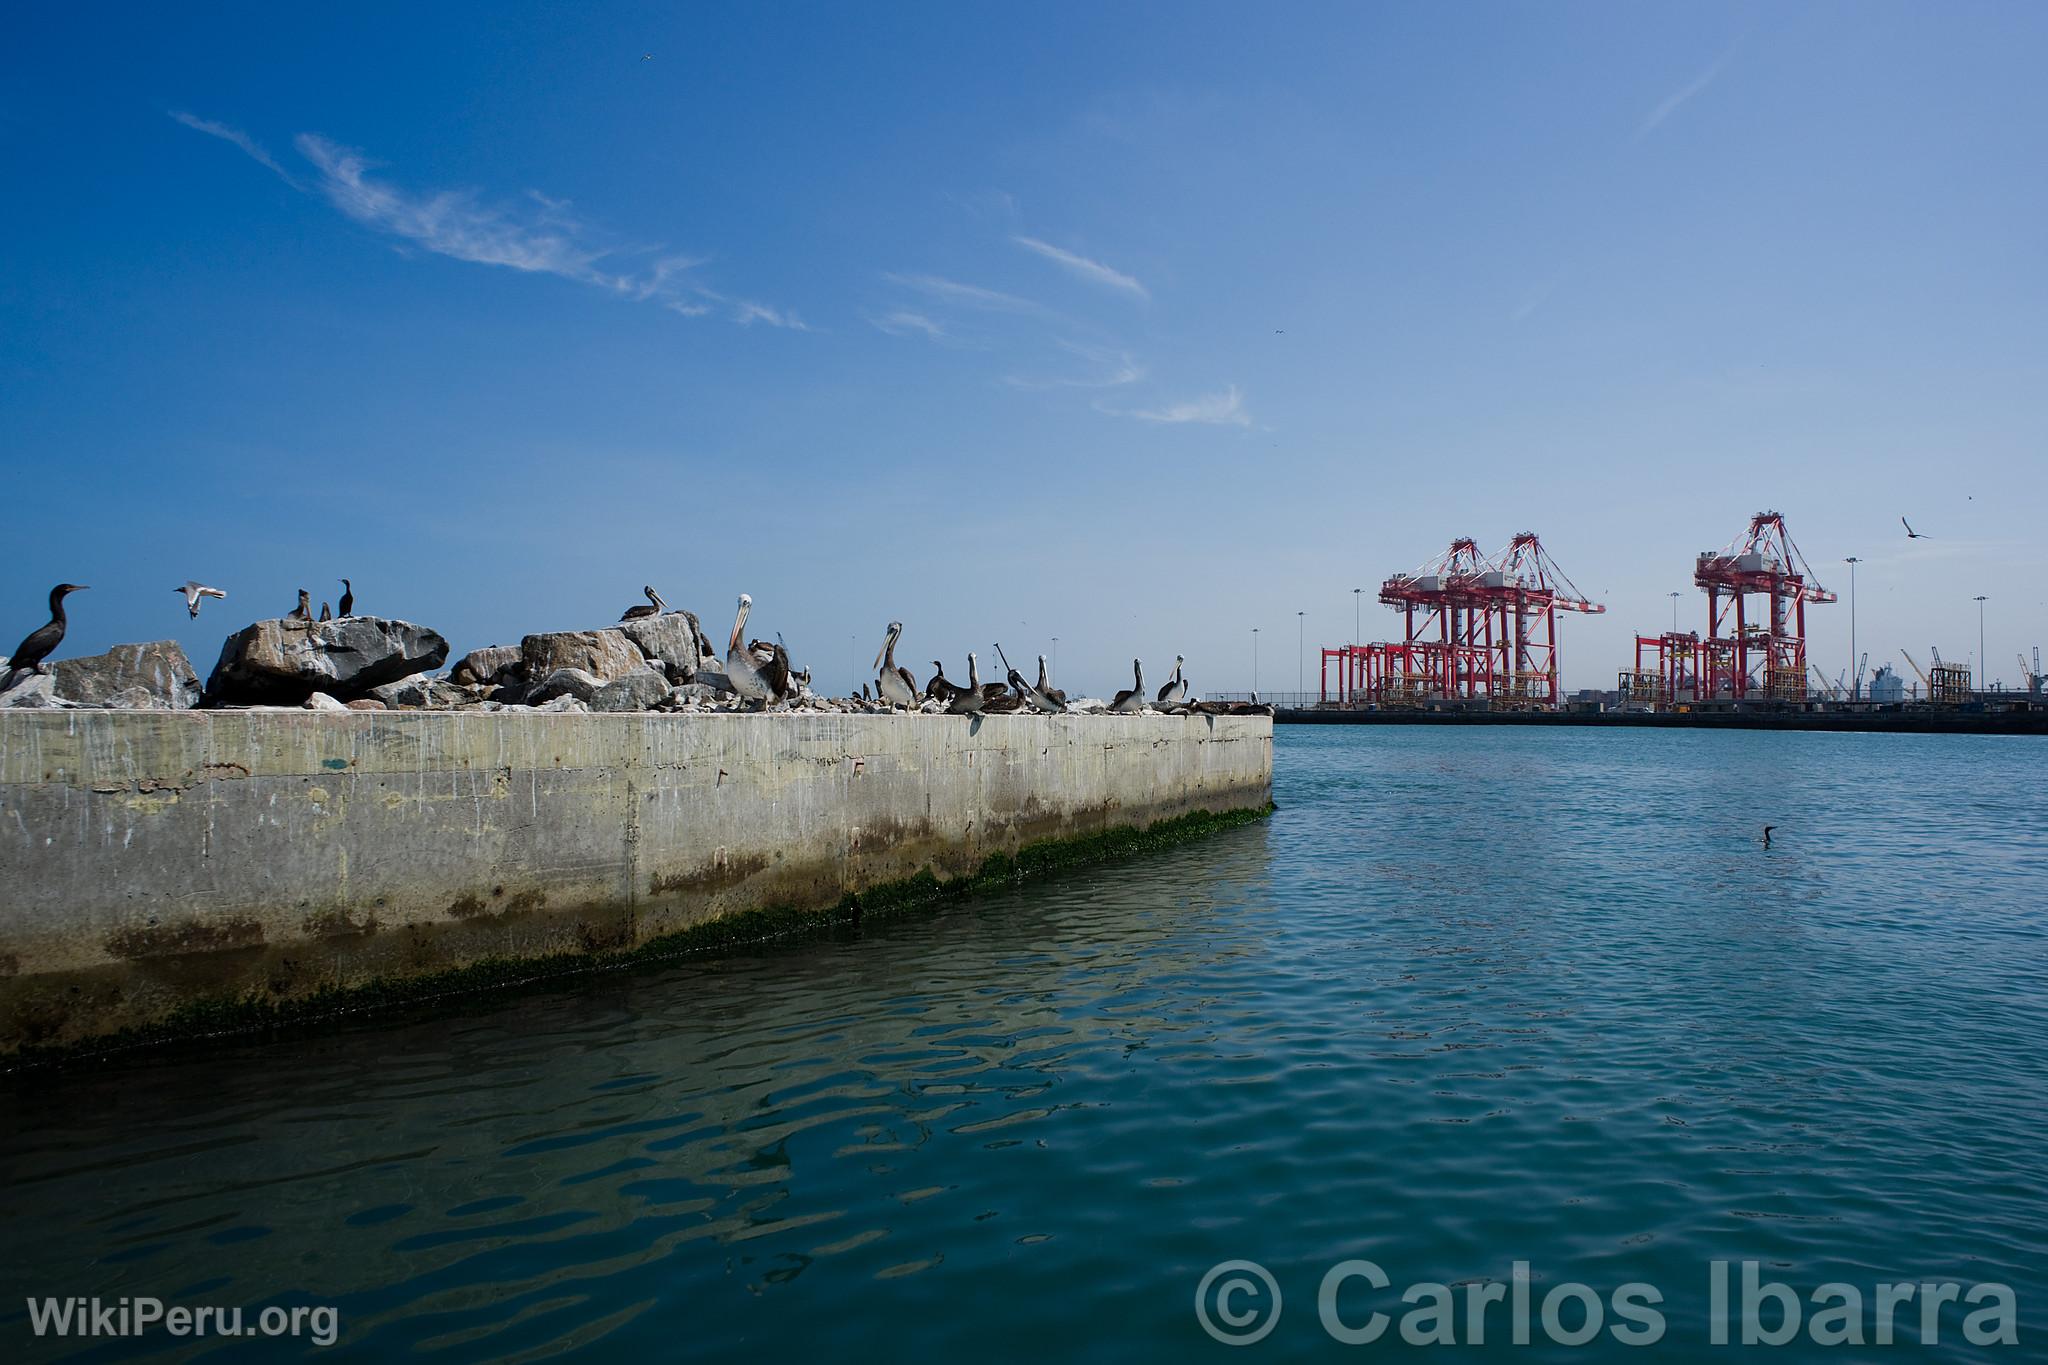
903,322
965,295
235,137
1093,271
536,234
1113,369
1669,105
1225,409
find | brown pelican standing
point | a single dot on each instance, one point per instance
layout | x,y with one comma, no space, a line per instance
741,669
895,685
29,654
968,700
1133,701
1045,687
1037,699
348,598
636,611
1176,689
940,688
194,592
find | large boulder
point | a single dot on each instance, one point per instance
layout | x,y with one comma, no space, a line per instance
155,676
607,654
491,665
422,694
283,662
672,642
641,691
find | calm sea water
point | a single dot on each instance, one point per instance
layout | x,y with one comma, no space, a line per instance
1470,997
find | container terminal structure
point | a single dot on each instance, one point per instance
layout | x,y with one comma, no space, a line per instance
1477,630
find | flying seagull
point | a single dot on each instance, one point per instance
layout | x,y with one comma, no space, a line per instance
1911,534
197,592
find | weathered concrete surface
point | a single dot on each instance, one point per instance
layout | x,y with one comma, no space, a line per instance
151,860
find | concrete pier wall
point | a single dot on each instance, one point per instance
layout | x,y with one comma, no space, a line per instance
155,861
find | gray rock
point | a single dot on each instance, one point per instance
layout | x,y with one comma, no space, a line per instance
157,671
713,677
492,664
640,691
697,691
672,642
32,692
564,703
286,661
426,694
579,683
607,654
320,701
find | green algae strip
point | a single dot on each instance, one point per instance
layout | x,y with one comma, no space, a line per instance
228,1016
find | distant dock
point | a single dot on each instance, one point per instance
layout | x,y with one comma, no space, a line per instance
1866,720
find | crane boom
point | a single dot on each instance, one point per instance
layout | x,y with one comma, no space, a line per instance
1924,680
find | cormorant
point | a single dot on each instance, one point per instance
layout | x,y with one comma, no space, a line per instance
1911,534
940,688
194,592
968,700
1767,835
895,685
28,656
304,611
348,598
326,612
1132,701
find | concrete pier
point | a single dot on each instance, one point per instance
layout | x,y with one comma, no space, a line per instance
154,863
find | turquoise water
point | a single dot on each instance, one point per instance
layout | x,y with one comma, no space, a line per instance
1470,997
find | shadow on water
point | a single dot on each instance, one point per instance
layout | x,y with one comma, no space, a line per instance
1469,997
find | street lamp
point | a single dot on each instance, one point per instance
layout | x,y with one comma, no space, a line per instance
1300,650
1055,656
1255,661
1855,669
1355,618
1674,611
1983,664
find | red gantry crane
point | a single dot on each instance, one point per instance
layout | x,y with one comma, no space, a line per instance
1474,628
1747,655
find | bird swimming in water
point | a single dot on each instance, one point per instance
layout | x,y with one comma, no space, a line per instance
1176,688
1036,699
348,598
1911,534
28,656
1131,702
741,670
895,685
304,611
194,592
940,688
1767,835
654,607
1045,687
968,700
326,612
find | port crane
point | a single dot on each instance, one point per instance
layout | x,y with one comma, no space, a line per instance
1924,681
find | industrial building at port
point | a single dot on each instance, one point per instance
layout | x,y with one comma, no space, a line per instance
1480,632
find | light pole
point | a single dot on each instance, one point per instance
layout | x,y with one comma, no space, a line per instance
1355,618
1055,657
1674,611
1300,651
1855,672
1255,661
1983,664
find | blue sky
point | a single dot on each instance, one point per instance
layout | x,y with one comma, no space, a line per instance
1139,326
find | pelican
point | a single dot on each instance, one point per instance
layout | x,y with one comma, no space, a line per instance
895,685
940,688
348,599
741,669
968,700
1131,702
1045,687
194,592
1035,697
29,654
636,611
1176,689
775,669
